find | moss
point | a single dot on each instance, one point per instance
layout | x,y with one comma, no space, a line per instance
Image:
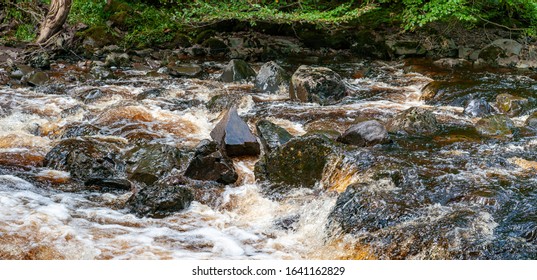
204,35
100,34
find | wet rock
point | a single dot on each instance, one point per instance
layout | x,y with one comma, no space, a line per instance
186,70
298,163
38,78
89,160
160,200
316,84
234,136
367,133
210,164
412,48
271,77
531,121
40,60
452,62
150,93
477,108
91,96
224,102
117,59
500,49
79,129
414,122
511,105
237,70
147,163
4,77
271,135
499,126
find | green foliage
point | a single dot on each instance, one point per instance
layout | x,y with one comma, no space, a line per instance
90,12
25,33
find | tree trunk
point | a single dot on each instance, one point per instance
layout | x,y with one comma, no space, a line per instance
53,22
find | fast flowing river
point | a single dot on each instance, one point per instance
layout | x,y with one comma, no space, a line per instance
454,195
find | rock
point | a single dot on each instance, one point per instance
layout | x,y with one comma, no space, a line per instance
412,48
224,102
40,60
316,84
186,70
147,163
500,49
478,108
414,122
117,59
91,95
499,126
271,77
298,163
367,133
511,105
215,46
160,200
79,129
210,164
234,136
101,73
237,70
271,135
452,62
531,121
38,78
89,160
150,93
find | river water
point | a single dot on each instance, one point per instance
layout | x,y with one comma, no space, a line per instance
462,196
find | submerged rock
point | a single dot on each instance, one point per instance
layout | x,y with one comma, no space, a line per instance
478,108
148,163
271,135
298,163
237,70
89,160
367,133
511,105
271,77
414,121
186,70
316,84
38,78
160,200
496,126
210,164
234,136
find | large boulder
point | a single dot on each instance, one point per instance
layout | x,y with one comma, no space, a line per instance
210,164
271,135
498,126
237,70
414,121
316,84
477,108
367,133
298,163
90,160
511,105
500,49
234,136
271,77
531,121
160,200
147,163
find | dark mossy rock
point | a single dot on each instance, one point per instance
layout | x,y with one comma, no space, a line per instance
498,126
432,90
531,121
271,77
500,48
234,136
40,60
115,6
367,133
407,48
79,129
298,163
223,102
186,70
181,40
271,135
366,44
97,36
117,59
414,121
478,108
237,70
316,84
215,46
120,20
93,161
204,35
147,163
210,164
511,105
37,78
160,200
150,93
